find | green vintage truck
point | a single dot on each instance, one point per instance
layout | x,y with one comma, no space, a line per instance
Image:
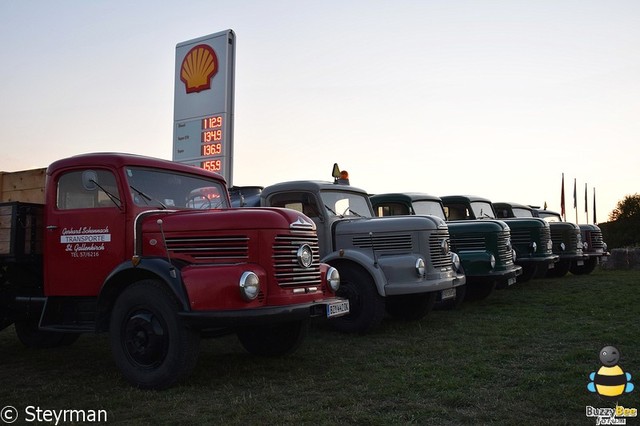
565,236
593,246
531,238
398,265
484,246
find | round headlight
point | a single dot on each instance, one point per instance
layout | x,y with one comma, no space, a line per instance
492,260
563,247
444,246
249,286
513,253
604,246
533,246
455,259
333,279
549,245
305,256
585,245
420,267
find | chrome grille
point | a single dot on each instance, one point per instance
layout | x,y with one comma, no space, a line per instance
568,237
285,262
384,243
466,242
505,254
594,238
228,248
438,258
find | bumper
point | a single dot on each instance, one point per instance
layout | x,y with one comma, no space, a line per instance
503,278
426,286
262,316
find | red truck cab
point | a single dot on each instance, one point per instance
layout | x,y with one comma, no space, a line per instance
150,251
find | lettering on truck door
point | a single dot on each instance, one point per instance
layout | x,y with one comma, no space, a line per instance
84,236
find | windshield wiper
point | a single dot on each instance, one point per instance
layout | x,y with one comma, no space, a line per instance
112,197
146,198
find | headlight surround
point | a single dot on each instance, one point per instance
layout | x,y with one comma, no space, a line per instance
333,279
420,267
533,246
492,261
249,286
455,259
563,246
305,256
513,253
549,245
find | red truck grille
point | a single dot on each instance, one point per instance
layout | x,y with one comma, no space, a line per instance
285,262
229,248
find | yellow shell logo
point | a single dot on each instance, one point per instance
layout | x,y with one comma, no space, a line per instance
198,67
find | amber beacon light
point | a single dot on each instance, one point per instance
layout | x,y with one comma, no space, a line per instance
199,65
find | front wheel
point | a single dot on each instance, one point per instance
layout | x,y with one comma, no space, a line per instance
587,268
366,306
559,270
150,345
275,340
411,307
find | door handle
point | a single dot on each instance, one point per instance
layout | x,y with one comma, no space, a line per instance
52,227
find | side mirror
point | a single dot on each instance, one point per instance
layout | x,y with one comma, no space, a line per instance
89,179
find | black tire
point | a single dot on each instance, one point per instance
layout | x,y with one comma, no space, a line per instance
479,290
366,306
275,340
411,307
30,336
587,268
560,269
528,272
150,345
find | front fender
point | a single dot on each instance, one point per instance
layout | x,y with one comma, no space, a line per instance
366,262
125,274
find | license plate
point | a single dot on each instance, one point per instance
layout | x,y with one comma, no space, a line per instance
580,262
511,281
337,309
449,293
552,265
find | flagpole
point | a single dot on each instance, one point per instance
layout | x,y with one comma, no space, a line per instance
586,203
575,199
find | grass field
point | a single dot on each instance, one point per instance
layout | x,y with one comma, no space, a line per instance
522,356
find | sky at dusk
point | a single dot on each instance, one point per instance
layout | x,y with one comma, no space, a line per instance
491,98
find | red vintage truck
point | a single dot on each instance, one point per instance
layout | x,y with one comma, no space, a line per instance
151,252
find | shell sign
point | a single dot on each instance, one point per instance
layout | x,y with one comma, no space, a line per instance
199,65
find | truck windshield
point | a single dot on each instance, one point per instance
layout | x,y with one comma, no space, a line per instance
550,217
429,207
167,189
517,212
342,203
482,209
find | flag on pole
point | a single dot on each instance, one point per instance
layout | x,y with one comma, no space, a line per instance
562,212
586,204
595,221
575,196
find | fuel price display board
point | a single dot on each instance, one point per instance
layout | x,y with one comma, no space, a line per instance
203,110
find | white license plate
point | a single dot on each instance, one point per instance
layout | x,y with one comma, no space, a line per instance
449,293
511,281
337,309
580,262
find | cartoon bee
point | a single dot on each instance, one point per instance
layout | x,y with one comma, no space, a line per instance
610,381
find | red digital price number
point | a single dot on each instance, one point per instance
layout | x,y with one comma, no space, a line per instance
211,149
212,135
212,165
211,122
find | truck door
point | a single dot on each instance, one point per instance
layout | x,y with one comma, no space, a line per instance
84,235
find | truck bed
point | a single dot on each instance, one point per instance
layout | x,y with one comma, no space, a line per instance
26,186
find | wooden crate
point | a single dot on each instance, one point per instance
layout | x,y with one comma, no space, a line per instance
26,186
21,229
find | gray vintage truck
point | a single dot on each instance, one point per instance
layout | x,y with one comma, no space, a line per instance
401,265
531,238
593,246
565,236
484,246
